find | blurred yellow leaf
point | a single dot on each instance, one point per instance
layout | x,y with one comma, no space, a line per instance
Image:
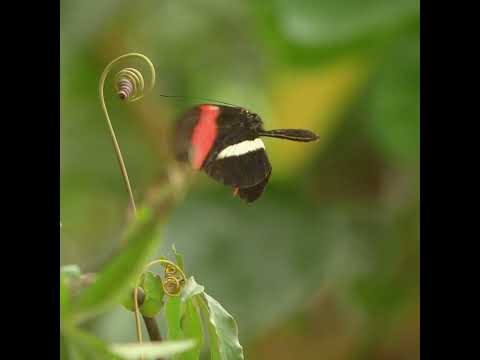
292,92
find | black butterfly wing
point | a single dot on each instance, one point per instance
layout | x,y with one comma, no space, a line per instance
183,133
251,194
242,171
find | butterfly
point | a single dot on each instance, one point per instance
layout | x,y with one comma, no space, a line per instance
225,142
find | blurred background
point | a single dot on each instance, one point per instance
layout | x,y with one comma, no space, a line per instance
325,265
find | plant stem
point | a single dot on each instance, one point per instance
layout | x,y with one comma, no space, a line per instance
152,328
150,323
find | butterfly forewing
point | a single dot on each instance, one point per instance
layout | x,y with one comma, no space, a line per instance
183,134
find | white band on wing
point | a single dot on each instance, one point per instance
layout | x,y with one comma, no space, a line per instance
241,148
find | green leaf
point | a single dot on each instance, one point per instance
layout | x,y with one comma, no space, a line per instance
91,347
114,280
173,316
153,290
191,325
191,289
223,330
153,349
214,347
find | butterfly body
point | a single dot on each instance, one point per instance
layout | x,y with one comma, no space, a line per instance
224,141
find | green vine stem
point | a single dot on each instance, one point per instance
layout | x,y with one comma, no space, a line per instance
130,87
172,270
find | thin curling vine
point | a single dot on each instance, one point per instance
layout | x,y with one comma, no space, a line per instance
130,87
174,279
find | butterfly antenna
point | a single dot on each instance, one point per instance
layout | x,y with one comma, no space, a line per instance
198,98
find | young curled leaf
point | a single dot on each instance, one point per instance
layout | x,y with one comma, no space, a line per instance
153,290
150,295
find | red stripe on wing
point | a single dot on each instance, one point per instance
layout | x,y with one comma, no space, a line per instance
204,134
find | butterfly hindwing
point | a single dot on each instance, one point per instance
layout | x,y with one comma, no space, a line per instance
246,169
251,194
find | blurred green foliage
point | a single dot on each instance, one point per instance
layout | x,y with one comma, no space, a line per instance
327,261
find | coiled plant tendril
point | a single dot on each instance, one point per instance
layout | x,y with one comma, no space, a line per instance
174,280
130,86
172,284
